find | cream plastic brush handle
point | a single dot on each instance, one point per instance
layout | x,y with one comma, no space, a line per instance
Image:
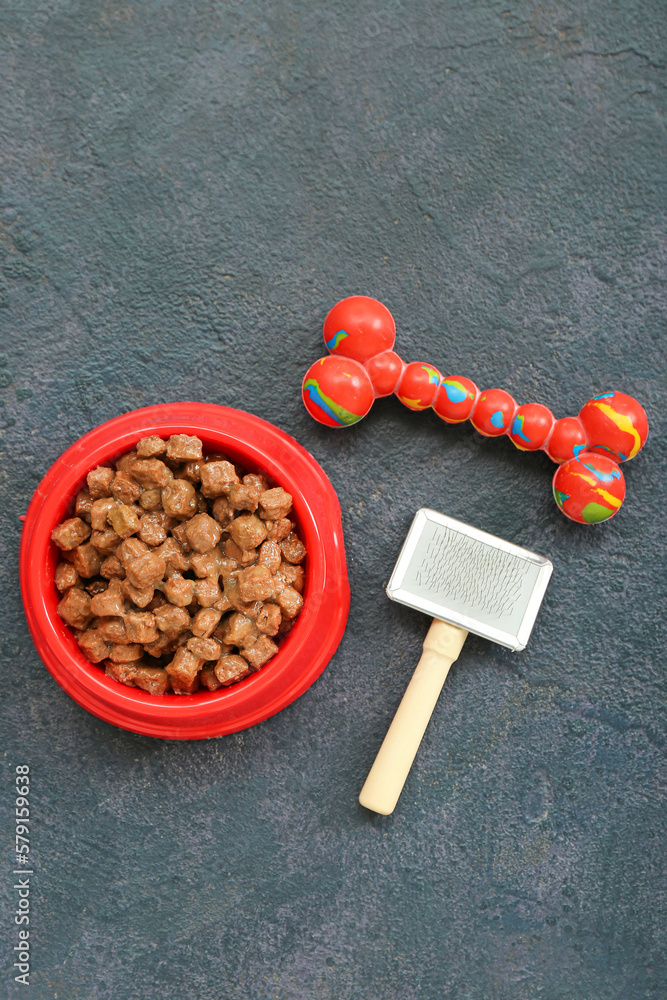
385,781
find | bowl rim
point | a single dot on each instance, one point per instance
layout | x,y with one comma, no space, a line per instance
306,649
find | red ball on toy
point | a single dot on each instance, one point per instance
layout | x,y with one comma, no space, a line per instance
418,386
493,412
337,391
616,425
455,399
359,327
531,426
384,371
568,439
590,488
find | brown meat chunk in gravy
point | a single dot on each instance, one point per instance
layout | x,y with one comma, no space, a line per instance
203,532
184,667
99,482
237,628
154,680
221,606
151,500
86,560
160,647
230,669
93,646
111,602
219,634
131,548
207,563
146,570
277,530
182,639
112,568
150,447
183,448
122,672
70,533
260,652
126,653
255,479
112,630
125,488
204,622
140,626
123,520
174,556
228,566
152,530
179,499
223,511
139,596
207,592
183,687
204,649
275,504
179,591
217,478
293,549
74,608
178,532
82,505
151,473
268,620
247,531
294,576
165,519
99,513
256,584
269,556
208,678
106,542
290,602
244,497
233,595
67,576
192,471
172,620
125,461
242,557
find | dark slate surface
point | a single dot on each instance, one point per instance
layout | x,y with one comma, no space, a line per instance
186,189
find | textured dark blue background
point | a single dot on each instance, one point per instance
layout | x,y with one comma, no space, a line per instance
185,190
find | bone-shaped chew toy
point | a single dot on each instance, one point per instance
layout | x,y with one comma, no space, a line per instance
339,390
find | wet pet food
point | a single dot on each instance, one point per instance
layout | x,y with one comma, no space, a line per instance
179,570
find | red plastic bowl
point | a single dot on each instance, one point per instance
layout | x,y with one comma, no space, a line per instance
305,651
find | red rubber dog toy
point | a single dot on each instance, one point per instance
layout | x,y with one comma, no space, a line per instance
339,390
